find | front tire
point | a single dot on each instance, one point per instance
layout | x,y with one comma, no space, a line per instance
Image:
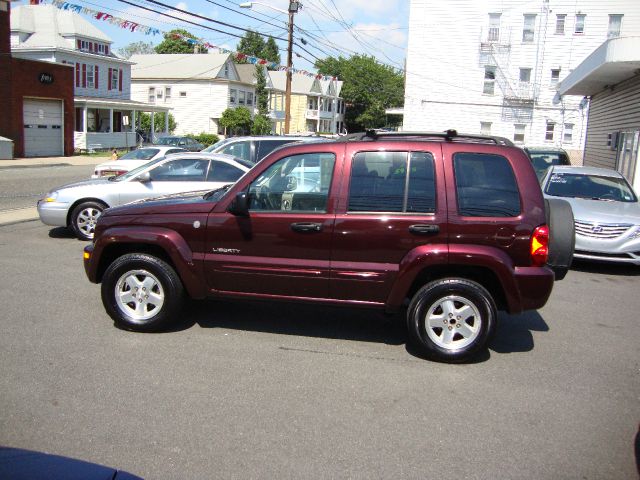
84,217
142,292
451,319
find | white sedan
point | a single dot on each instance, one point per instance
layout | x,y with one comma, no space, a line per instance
78,205
133,159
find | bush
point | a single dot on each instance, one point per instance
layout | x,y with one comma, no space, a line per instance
205,138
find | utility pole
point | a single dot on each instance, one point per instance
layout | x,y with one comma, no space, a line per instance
293,8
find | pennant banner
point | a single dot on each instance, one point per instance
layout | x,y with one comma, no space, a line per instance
136,27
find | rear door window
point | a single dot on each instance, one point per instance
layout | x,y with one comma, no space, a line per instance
392,182
241,149
265,147
485,186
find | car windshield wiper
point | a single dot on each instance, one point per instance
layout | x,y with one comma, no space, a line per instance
210,194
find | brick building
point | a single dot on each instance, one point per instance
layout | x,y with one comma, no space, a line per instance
37,100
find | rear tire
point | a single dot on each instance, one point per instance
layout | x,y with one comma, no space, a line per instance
562,237
451,319
142,292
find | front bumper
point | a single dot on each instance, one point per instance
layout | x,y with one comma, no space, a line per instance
53,213
616,250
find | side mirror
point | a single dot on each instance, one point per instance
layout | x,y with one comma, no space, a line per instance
240,205
144,177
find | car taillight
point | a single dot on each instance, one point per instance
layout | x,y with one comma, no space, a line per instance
540,246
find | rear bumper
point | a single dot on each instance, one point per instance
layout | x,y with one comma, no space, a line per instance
534,285
89,264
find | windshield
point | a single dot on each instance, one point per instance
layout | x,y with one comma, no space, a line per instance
593,187
168,141
218,144
140,154
135,171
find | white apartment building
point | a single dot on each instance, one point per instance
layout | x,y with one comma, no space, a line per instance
197,87
493,67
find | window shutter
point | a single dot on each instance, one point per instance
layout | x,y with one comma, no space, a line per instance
91,46
120,82
78,44
95,77
109,78
84,75
106,49
77,74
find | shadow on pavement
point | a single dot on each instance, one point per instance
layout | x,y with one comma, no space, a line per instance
61,232
19,464
514,332
283,318
605,268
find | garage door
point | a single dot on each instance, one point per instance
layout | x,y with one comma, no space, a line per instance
42,127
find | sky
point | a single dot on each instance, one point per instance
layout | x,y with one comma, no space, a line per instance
331,28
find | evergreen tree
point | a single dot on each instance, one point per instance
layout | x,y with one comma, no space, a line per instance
178,45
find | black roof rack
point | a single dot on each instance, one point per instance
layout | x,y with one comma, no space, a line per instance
448,136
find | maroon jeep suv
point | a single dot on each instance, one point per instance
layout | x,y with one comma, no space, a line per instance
453,227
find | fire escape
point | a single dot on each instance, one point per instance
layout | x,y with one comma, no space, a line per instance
518,97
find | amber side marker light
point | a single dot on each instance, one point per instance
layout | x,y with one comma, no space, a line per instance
86,255
540,246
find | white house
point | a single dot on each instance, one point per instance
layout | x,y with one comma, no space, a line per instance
316,105
197,87
493,66
105,115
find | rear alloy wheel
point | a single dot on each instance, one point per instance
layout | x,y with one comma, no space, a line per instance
141,292
451,319
84,218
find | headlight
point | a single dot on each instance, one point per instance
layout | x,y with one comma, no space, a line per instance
50,197
635,234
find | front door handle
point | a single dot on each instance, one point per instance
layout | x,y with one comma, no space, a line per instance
306,227
422,229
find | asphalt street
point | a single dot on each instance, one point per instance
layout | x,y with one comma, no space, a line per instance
249,390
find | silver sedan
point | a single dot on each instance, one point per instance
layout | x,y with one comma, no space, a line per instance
605,208
78,205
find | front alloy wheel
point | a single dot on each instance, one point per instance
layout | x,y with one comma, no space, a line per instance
142,292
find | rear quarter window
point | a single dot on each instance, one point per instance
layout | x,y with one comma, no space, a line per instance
485,186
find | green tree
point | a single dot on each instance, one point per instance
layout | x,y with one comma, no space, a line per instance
158,122
368,89
261,125
251,44
270,51
236,121
178,45
136,48
262,96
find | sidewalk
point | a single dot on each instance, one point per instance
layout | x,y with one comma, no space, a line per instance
19,215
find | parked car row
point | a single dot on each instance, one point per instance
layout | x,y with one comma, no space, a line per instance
607,212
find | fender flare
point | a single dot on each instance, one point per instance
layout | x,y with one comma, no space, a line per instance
170,241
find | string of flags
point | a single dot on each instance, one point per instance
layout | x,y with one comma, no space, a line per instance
136,27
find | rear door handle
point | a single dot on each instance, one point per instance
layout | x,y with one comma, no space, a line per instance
306,227
422,229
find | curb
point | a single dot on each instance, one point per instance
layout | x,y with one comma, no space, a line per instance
18,215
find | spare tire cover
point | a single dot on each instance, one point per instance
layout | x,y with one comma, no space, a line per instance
562,236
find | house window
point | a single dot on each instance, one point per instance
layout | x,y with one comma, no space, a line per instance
233,94
90,76
568,133
152,95
159,93
242,97
518,132
494,27
580,19
489,80
183,94
115,78
555,76
249,98
226,70
485,128
167,93
529,28
549,132
615,25
560,21
525,75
